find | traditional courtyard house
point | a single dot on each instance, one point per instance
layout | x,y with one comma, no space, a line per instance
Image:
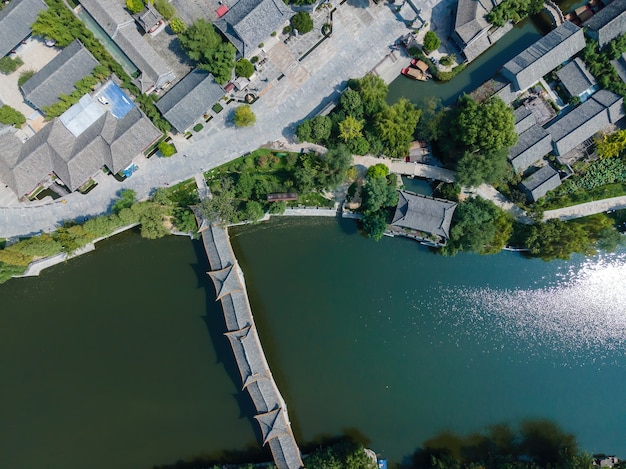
422,214
539,183
545,55
155,74
608,23
74,147
15,21
600,110
524,119
250,22
577,80
189,99
532,145
149,19
58,76
471,29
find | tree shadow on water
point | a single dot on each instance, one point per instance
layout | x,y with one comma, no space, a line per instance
536,443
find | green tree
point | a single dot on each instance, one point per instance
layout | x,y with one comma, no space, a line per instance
378,193
609,145
377,171
178,25
134,6
166,9
350,128
302,22
152,219
395,126
351,103
373,91
244,186
473,168
11,116
221,207
375,224
166,149
244,116
253,211
478,225
303,132
556,239
336,163
9,65
431,42
244,68
126,200
483,127
58,24
321,127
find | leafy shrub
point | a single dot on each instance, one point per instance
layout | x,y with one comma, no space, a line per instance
287,29
166,149
244,68
431,42
11,116
178,25
24,77
9,65
447,60
134,6
244,116
302,22
166,9
198,127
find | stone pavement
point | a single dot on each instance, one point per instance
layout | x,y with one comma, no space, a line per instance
408,169
583,210
358,44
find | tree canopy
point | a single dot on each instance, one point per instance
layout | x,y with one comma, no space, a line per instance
302,22
431,42
395,125
134,6
244,117
478,225
11,116
244,68
205,45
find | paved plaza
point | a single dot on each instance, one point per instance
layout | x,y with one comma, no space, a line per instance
360,41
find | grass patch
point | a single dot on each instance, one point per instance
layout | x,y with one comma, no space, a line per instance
313,199
582,196
217,108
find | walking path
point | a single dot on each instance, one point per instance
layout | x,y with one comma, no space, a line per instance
361,40
408,169
589,208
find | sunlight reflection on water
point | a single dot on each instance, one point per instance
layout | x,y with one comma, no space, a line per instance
583,311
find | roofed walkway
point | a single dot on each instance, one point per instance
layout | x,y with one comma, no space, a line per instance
256,376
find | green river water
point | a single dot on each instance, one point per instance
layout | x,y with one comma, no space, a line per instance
116,359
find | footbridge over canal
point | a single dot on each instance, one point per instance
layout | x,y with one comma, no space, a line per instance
255,373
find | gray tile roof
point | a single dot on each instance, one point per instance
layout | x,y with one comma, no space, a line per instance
121,27
602,109
531,146
74,159
148,18
191,97
539,183
59,75
250,22
15,21
575,77
470,20
608,23
524,119
422,213
546,54
620,66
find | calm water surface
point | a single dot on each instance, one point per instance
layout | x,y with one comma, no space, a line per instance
400,343
106,362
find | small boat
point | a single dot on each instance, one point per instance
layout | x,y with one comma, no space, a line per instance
414,73
420,64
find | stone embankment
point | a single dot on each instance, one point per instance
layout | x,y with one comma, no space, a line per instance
255,373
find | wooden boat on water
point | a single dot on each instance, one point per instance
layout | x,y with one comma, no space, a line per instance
418,70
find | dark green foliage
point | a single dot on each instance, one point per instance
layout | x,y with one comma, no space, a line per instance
198,127
474,168
300,2
599,63
58,24
253,211
72,237
378,193
204,44
10,116
316,130
126,200
556,239
431,42
478,225
166,149
447,60
336,162
244,68
447,191
395,126
373,91
351,103
7,271
514,10
25,76
185,220
166,9
152,218
278,208
343,455
375,224
302,22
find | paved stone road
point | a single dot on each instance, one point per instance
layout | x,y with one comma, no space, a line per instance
583,210
359,42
